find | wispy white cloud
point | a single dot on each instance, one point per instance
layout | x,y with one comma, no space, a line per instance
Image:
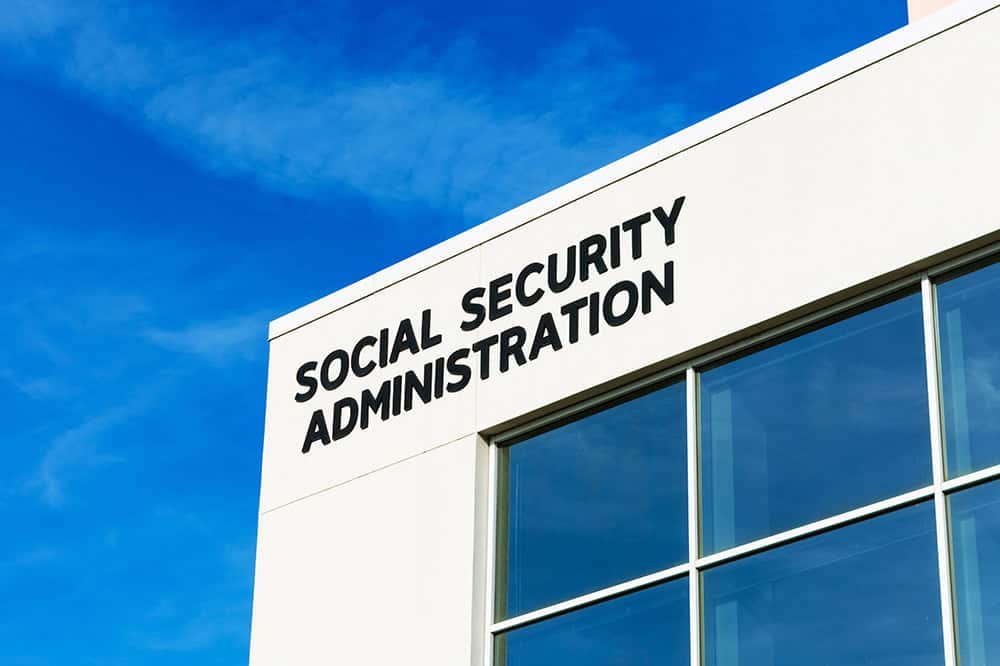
207,628
34,557
170,626
449,131
89,355
239,562
75,452
23,21
983,386
216,340
36,388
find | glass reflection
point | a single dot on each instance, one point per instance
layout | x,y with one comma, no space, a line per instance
975,532
817,425
646,627
592,503
861,595
969,325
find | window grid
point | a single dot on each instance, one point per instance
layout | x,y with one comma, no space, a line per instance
694,513
931,347
937,491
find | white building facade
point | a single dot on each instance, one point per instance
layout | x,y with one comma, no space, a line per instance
733,399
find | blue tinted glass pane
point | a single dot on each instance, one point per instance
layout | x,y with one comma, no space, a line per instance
969,324
975,533
817,425
861,595
593,503
646,627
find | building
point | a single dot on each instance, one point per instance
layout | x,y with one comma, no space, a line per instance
733,400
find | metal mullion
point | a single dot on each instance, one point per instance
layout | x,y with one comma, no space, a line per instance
737,552
590,598
491,555
817,527
803,322
666,375
964,260
971,479
937,462
694,531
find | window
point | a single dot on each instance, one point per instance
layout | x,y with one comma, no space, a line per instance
827,499
593,502
835,418
645,627
975,530
969,325
850,596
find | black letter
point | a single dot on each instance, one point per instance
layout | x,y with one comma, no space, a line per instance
307,382
592,250
341,429
572,310
522,296
397,395
554,284
438,377
317,431
634,226
616,247
383,348
375,403
459,369
482,347
426,339
477,310
498,296
669,221
358,369
629,288
665,289
324,370
546,335
511,344
412,384
594,311
405,339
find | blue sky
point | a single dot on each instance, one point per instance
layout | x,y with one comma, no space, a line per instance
174,175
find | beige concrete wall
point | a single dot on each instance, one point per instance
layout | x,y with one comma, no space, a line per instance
921,8
384,570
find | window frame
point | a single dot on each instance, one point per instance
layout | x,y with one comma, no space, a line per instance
688,371
584,410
